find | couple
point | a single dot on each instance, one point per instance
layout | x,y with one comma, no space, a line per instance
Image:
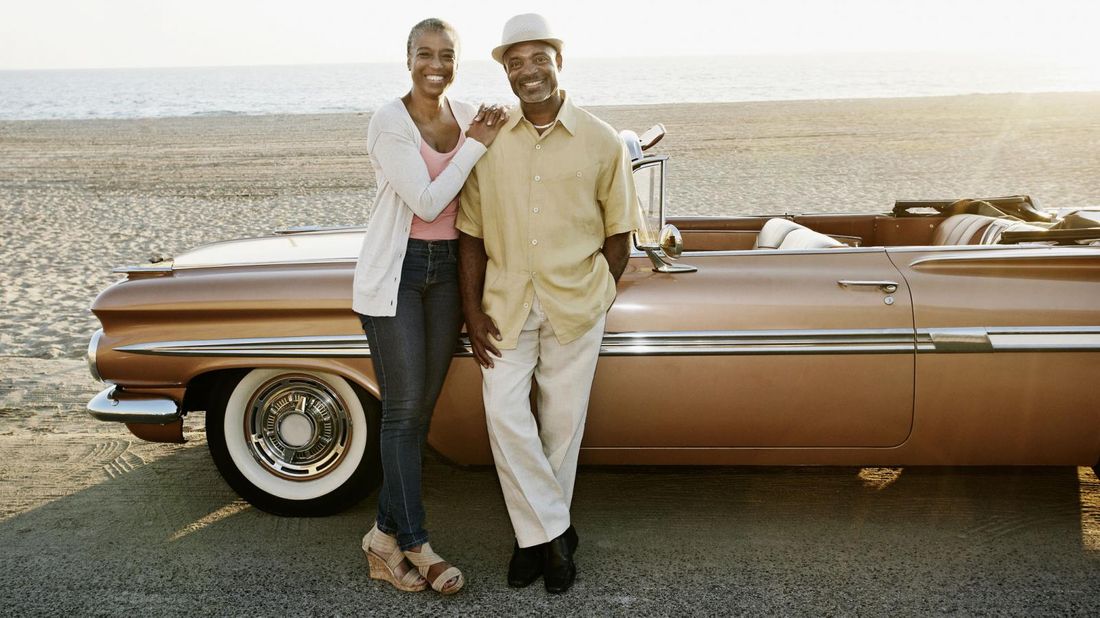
529,253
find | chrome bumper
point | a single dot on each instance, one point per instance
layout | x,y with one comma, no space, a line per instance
106,406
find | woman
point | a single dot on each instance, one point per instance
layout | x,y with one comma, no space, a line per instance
406,288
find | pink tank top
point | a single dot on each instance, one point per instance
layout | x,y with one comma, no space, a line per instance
443,228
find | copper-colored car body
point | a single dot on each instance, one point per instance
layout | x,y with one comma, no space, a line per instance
889,349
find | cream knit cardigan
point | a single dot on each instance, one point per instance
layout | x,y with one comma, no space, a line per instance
404,189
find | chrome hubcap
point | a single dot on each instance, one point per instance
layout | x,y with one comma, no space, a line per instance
297,427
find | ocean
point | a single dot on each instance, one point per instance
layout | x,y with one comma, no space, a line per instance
332,88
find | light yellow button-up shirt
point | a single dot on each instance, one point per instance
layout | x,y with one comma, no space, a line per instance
544,204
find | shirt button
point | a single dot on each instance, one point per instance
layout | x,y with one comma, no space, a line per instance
535,210
578,174
538,146
526,305
538,178
534,242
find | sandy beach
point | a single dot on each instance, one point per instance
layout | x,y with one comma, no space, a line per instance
94,521
80,197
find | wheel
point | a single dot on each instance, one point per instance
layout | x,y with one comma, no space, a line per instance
298,443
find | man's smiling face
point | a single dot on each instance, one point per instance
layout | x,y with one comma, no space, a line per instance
532,69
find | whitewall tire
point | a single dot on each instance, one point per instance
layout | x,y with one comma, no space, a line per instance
295,442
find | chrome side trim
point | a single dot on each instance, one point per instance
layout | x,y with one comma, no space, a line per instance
320,229
157,410
1003,255
843,249
342,260
679,343
322,346
693,343
959,340
870,341
723,343
93,347
1009,339
1021,342
785,215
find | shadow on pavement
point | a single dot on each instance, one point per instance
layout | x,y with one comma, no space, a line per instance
169,537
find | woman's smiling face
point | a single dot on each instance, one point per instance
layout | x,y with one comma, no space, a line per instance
432,62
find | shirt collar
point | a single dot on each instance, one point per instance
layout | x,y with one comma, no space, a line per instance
567,116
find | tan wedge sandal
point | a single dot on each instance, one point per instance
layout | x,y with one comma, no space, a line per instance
424,559
384,557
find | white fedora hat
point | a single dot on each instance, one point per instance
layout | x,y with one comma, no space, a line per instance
523,28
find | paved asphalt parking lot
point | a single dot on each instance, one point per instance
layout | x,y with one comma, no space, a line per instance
95,522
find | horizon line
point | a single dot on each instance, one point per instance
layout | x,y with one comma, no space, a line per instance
1000,55
231,113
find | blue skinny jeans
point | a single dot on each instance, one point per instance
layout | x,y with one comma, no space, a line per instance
411,353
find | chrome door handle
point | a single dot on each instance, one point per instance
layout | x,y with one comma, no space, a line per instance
886,286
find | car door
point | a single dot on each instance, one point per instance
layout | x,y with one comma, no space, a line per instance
763,348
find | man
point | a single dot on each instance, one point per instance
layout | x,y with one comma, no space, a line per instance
545,222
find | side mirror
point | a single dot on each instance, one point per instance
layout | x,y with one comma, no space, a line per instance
661,241
670,246
671,241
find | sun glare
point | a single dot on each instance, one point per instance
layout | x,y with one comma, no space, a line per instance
879,478
226,511
1090,509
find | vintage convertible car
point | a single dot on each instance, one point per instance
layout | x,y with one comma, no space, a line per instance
945,332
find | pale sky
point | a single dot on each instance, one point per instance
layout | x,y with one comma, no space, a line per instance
48,34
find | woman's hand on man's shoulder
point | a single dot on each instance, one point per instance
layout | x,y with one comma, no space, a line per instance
486,123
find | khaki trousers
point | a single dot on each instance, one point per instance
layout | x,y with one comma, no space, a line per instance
537,462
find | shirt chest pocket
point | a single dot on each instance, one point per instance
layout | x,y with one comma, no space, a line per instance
569,196
571,189
577,175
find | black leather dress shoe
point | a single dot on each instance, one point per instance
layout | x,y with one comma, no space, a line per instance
571,536
559,571
526,565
